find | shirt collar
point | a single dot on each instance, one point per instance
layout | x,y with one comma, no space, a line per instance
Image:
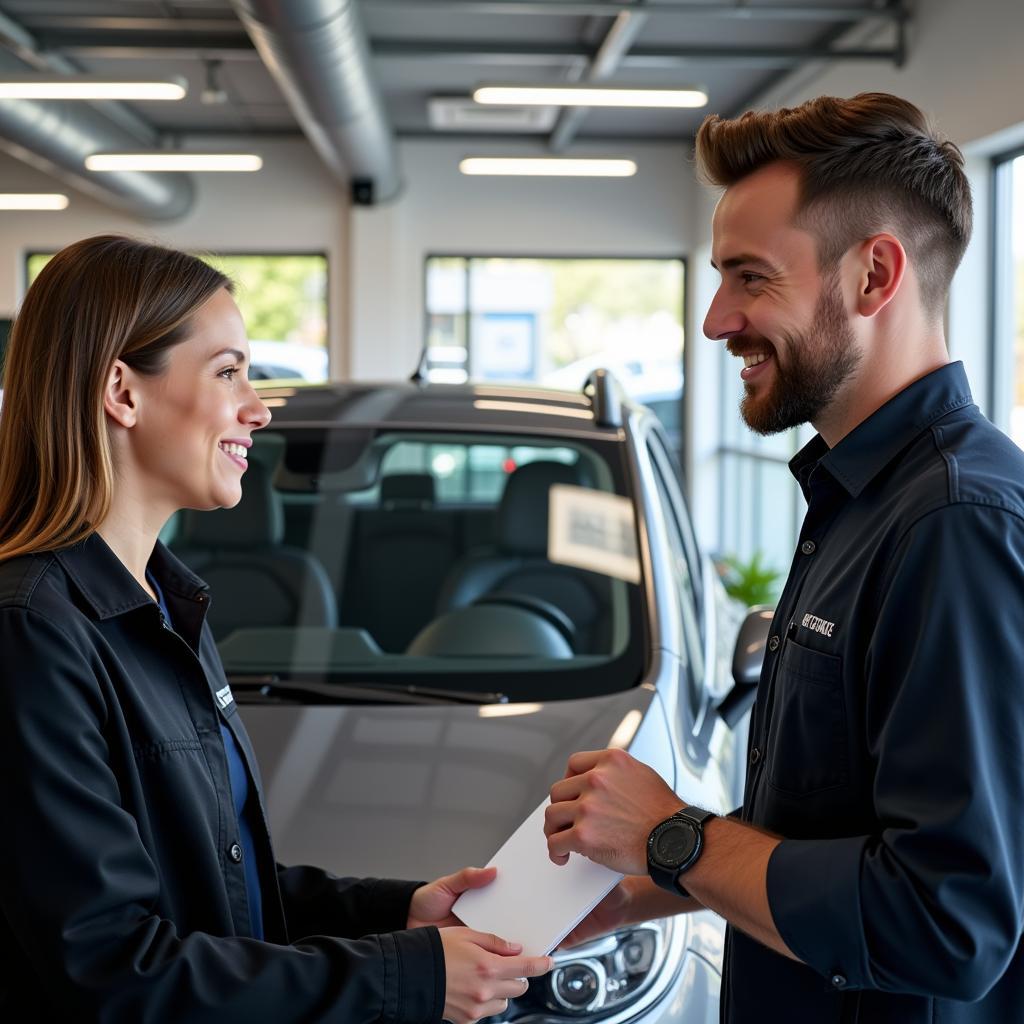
109,588
873,444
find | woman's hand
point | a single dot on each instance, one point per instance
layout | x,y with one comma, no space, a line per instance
483,972
432,904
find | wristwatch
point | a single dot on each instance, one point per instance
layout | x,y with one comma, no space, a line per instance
674,846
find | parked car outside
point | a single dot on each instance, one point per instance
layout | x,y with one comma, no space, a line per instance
429,597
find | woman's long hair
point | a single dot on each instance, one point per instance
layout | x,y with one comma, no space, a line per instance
97,300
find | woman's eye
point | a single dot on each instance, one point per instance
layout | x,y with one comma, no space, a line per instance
228,372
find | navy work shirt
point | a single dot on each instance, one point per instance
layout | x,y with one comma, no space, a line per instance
887,740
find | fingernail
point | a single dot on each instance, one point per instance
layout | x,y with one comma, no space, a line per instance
516,947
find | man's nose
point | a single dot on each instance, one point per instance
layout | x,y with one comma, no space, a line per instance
724,318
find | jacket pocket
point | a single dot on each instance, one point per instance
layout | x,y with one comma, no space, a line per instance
807,746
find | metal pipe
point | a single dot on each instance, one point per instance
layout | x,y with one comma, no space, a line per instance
318,53
57,137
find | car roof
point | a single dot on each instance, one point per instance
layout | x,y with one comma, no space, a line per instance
474,407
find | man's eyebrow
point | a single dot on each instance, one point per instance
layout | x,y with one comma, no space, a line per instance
239,355
743,260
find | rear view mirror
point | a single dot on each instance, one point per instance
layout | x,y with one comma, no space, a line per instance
747,659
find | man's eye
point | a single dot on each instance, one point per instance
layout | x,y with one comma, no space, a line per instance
748,277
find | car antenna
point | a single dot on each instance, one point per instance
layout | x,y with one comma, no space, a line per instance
419,375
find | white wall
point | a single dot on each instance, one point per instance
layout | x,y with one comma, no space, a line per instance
291,204
441,211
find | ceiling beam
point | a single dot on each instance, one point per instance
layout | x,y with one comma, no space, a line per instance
638,57
619,38
609,8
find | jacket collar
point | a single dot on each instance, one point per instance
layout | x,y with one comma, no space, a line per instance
109,588
860,456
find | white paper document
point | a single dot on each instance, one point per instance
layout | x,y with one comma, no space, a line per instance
534,901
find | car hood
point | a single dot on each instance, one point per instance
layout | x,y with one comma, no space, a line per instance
420,791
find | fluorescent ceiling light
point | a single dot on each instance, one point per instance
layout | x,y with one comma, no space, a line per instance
554,165
589,96
33,201
173,160
90,87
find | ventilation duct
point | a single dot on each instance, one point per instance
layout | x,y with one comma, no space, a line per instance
318,53
56,137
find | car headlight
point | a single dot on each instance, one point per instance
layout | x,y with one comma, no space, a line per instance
617,974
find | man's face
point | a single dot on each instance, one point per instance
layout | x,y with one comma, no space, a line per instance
775,309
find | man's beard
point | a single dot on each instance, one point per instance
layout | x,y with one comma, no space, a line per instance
819,361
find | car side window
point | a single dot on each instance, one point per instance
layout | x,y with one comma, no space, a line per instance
681,574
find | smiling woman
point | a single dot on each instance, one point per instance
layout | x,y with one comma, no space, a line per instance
141,832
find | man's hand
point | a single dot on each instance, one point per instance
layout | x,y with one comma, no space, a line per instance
432,904
605,808
483,972
611,913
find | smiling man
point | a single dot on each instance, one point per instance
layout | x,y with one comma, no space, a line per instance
875,872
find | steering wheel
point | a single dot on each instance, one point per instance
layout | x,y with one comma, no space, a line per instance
549,612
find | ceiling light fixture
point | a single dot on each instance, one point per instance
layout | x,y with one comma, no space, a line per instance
33,201
588,96
173,160
554,166
90,87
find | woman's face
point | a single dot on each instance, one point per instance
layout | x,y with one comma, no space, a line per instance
195,420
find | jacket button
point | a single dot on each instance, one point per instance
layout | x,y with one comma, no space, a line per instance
808,547
773,644
838,981
235,853
755,755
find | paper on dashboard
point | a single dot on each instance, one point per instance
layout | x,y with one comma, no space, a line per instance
533,901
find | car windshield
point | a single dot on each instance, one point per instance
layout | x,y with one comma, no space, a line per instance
499,566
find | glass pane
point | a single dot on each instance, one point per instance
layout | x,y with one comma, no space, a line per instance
553,321
283,301
1017,236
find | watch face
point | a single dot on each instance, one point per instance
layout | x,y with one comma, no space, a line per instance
674,844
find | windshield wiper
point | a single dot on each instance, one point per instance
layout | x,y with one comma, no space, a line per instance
273,689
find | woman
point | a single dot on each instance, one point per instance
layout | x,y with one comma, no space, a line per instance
137,879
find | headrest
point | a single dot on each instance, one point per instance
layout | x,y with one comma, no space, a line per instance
404,489
256,521
523,512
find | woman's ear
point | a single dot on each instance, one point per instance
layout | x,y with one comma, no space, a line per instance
120,402
882,266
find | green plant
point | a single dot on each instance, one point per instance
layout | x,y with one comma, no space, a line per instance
751,582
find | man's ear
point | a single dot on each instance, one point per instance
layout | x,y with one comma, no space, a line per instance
882,265
120,401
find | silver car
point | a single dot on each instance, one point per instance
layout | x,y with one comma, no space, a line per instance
429,597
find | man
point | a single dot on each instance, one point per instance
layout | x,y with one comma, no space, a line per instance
875,872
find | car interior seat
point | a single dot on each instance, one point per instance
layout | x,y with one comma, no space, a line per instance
517,563
400,552
254,579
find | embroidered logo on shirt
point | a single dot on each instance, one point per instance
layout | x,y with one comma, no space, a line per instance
817,625
224,697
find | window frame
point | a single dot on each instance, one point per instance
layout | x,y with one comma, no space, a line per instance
1001,356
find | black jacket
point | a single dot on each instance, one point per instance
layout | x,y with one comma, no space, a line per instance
120,899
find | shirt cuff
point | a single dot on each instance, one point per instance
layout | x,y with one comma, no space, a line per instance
814,898
414,976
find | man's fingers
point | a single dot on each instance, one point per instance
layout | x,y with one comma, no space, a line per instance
560,845
582,761
566,789
559,816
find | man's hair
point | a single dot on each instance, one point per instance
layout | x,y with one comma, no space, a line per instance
866,164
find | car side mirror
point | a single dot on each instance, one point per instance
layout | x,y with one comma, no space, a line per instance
747,659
